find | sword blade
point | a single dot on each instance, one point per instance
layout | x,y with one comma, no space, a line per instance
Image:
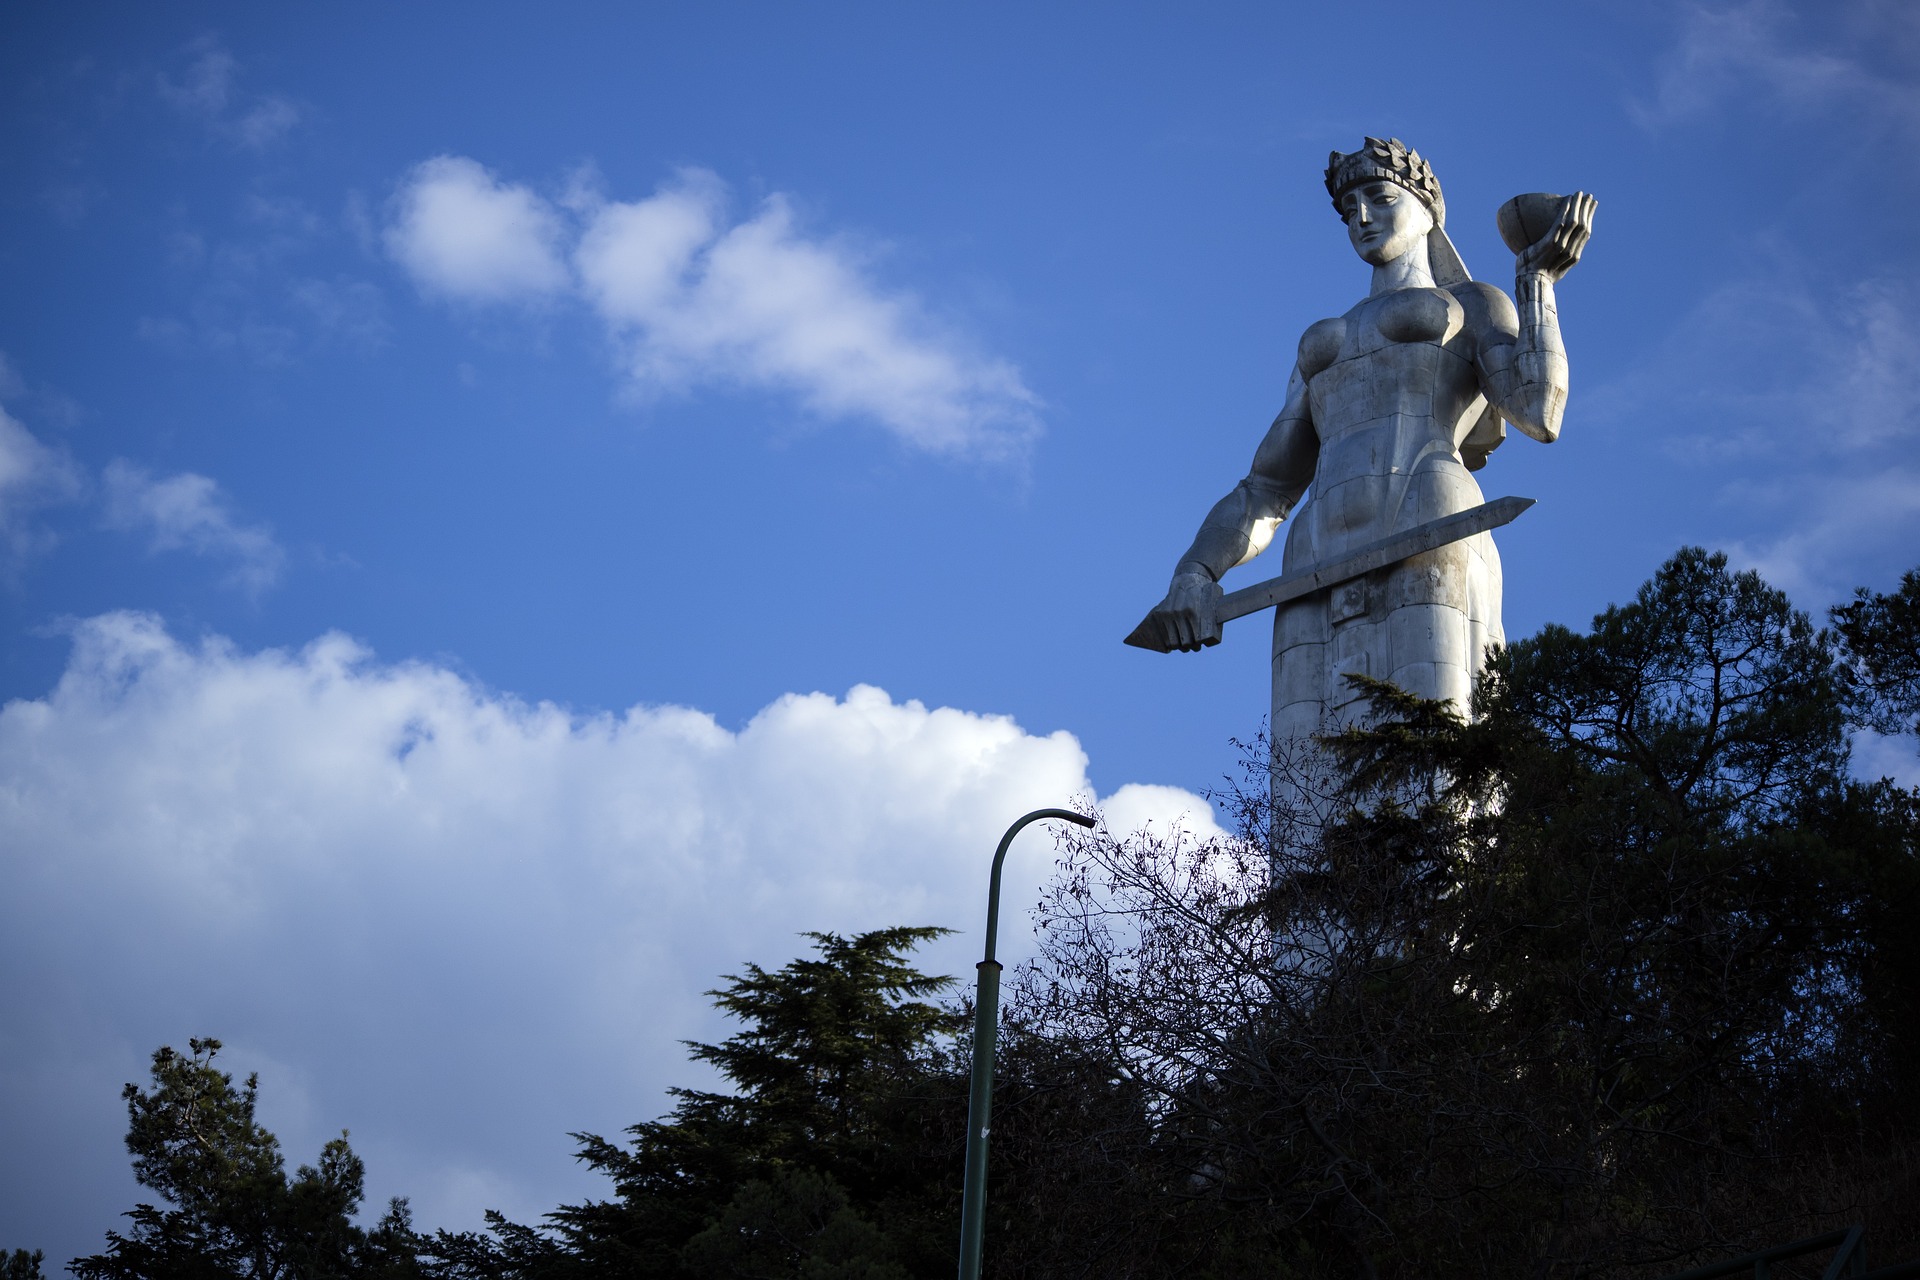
1363,559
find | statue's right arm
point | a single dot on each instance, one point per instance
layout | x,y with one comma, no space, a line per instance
1522,361
1242,524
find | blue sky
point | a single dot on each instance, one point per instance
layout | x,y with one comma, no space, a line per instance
507,514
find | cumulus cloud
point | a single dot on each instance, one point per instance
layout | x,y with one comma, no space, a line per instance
462,233
205,90
692,297
458,923
188,512
33,476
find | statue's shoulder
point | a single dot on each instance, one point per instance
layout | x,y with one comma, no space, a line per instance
1490,311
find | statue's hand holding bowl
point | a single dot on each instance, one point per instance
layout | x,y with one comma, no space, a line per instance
1189,616
1547,233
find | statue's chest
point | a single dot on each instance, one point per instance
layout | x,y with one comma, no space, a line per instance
1397,353
1401,318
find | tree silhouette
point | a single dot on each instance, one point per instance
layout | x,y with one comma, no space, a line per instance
1614,974
235,1212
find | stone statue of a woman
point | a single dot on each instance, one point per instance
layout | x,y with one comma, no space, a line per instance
1389,410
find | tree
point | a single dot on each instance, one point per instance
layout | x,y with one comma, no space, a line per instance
21,1265
792,1223
838,1154
236,1213
1617,971
1699,920
1882,636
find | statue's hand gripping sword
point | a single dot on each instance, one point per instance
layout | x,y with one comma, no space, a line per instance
1152,631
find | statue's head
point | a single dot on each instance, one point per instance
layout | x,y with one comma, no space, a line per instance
1389,161
1391,202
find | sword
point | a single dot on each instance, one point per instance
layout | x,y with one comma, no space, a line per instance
1364,559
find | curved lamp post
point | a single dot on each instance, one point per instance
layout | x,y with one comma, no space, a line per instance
986,1025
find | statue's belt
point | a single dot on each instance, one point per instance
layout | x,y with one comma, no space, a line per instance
1151,634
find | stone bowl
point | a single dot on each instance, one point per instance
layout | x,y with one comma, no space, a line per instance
1524,220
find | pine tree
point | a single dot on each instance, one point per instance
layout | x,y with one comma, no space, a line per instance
236,1214
836,1157
1882,636
21,1265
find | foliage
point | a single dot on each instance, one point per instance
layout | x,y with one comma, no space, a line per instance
837,1155
21,1265
236,1213
1616,972
1882,636
793,1223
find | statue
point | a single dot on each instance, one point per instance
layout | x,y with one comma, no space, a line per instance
1389,570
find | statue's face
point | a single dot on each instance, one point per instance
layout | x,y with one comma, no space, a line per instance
1384,221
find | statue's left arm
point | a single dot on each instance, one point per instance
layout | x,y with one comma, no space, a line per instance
1523,363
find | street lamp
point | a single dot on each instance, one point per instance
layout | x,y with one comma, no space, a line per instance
986,1026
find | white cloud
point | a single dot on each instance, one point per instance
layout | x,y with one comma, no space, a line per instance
1729,55
33,476
264,121
1772,362
1876,756
187,512
760,303
207,84
463,233
252,293
205,90
457,923
693,298
184,512
1822,523
1792,401
635,258
349,309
